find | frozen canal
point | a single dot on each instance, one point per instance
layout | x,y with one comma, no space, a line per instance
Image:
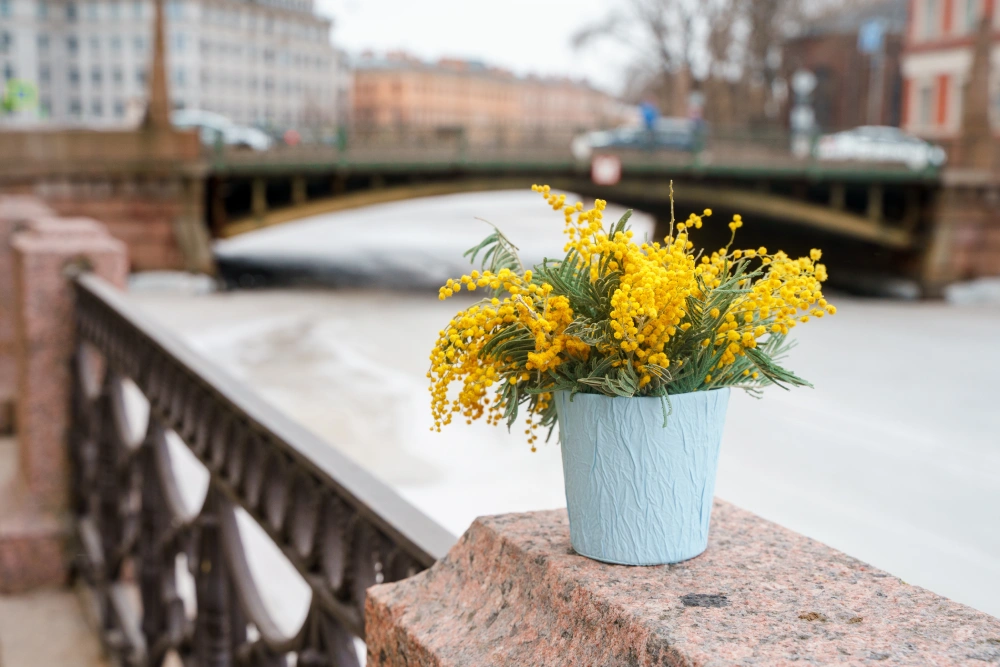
894,458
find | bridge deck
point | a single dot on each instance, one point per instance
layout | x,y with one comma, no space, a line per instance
712,163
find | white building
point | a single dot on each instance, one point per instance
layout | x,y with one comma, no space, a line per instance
937,64
266,62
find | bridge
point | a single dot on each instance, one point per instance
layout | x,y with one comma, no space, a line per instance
167,197
873,216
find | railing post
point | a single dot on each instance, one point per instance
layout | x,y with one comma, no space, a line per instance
338,184
212,641
258,197
298,190
14,211
33,523
875,204
838,196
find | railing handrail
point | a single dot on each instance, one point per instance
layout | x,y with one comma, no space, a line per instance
423,538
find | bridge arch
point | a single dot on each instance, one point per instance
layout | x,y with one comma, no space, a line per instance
832,218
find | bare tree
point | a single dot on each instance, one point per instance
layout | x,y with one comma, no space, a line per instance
662,33
730,49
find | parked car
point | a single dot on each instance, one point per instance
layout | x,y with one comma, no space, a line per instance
212,126
678,134
876,143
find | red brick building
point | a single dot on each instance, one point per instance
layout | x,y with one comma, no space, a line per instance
853,87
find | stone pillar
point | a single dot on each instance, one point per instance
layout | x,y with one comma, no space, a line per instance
14,211
513,592
33,504
963,239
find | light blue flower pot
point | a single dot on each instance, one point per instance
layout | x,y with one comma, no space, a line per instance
639,493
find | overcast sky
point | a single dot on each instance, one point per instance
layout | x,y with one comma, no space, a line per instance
526,36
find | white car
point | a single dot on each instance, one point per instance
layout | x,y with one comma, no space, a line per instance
876,143
212,126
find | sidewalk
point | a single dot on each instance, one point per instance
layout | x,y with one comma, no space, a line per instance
47,627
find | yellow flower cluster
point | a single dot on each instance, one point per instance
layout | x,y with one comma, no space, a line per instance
516,345
459,355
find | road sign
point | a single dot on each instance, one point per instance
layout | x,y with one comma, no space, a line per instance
870,36
605,169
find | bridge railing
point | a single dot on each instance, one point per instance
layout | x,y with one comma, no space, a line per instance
407,147
168,451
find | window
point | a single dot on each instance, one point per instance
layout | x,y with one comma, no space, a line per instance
92,14
96,77
5,8
96,108
74,76
43,43
44,74
6,41
925,105
72,45
932,15
45,107
971,15
140,77
139,43
180,78
137,9
42,10
175,10
115,10
119,109
71,11
116,76
116,43
178,42
95,44
8,72
75,107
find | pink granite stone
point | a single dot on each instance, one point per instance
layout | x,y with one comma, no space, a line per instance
513,592
34,504
44,328
15,211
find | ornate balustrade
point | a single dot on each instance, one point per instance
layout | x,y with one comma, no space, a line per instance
139,396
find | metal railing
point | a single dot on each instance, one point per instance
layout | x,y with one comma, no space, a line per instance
137,389
716,149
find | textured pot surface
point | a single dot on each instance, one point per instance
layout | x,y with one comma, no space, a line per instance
638,493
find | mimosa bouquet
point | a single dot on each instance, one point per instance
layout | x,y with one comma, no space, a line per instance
618,317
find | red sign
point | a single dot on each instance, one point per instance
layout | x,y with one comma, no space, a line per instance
605,169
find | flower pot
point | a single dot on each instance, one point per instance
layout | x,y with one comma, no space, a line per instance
639,493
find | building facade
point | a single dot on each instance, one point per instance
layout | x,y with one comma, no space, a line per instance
263,62
937,65
856,83
402,93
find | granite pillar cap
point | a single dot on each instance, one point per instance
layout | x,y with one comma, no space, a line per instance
513,592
